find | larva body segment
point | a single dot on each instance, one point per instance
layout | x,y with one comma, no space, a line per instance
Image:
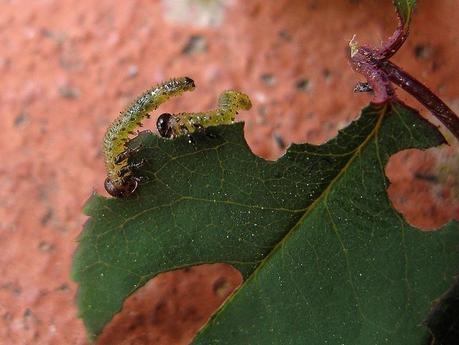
229,103
120,182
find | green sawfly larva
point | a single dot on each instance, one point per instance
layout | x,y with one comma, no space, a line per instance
229,103
120,181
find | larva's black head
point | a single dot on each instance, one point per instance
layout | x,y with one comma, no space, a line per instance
164,125
126,189
189,83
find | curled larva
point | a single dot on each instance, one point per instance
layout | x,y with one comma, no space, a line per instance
229,103
120,181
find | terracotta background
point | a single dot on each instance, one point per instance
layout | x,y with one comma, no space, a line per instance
68,67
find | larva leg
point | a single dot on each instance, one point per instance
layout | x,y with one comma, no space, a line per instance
191,140
143,132
141,179
127,153
137,165
124,172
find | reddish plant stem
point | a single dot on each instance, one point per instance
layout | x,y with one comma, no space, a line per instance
393,43
377,79
426,97
380,73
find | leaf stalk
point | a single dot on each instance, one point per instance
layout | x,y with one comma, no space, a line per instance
380,73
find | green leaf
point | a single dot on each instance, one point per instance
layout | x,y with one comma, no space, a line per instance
405,9
324,256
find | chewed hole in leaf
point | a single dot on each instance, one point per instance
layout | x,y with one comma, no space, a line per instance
425,186
172,307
